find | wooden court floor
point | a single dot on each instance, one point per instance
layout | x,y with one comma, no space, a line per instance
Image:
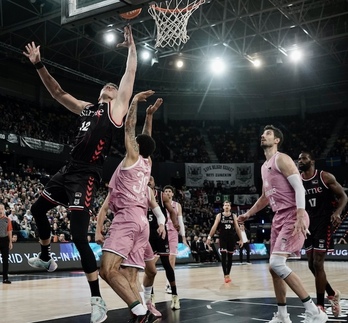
63,297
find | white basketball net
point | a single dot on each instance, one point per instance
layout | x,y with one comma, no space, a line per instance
171,19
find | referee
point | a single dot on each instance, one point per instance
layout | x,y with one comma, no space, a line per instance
5,242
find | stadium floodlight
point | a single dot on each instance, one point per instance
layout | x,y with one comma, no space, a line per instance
145,55
296,55
218,66
179,63
257,62
110,37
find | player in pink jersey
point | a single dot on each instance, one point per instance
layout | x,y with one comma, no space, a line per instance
284,192
128,198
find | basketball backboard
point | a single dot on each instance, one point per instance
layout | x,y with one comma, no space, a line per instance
75,12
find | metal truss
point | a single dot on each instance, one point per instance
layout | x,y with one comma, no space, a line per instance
237,30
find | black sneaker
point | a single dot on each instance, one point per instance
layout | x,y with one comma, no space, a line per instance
147,318
6,281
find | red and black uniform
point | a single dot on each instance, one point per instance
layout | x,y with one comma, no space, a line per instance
75,184
320,202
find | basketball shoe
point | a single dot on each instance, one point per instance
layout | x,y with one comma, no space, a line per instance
335,303
279,319
168,289
175,303
320,317
37,262
99,310
152,308
147,318
227,279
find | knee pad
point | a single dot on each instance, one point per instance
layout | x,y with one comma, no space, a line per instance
278,265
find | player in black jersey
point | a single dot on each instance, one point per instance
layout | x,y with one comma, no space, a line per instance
76,183
160,248
322,193
228,227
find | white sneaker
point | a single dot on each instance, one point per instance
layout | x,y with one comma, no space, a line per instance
320,317
37,262
99,310
279,319
175,303
168,289
335,303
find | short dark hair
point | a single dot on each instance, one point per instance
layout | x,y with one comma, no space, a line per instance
169,187
310,154
146,145
277,133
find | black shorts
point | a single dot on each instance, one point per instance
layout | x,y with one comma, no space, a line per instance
74,186
227,244
320,239
159,246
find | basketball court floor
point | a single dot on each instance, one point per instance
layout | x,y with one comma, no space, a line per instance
63,297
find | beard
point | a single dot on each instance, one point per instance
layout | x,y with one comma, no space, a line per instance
304,167
264,145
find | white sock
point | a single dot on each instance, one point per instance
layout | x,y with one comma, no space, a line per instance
138,310
282,310
147,293
311,307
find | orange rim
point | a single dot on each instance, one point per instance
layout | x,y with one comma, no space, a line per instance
177,10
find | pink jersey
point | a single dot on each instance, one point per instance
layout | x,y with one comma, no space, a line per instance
277,188
128,186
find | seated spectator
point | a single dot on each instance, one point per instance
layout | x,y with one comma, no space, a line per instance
16,224
194,249
61,238
25,229
343,239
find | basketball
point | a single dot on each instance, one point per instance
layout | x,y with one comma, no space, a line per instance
131,14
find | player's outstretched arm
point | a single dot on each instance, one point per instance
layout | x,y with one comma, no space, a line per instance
120,105
33,53
147,129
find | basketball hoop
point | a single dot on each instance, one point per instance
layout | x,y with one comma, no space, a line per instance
171,19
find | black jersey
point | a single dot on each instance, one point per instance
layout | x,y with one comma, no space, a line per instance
226,226
319,199
95,134
150,216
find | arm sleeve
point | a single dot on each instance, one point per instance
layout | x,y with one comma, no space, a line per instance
182,225
159,215
296,183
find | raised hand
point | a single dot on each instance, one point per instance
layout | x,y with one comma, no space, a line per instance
33,52
128,37
153,108
142,96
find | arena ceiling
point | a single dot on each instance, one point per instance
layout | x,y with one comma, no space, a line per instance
235,30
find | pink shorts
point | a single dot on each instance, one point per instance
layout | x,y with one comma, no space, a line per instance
282,240
128,237
173,240
149,255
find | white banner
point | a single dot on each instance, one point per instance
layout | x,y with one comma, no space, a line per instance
228,175
245,199
38,144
